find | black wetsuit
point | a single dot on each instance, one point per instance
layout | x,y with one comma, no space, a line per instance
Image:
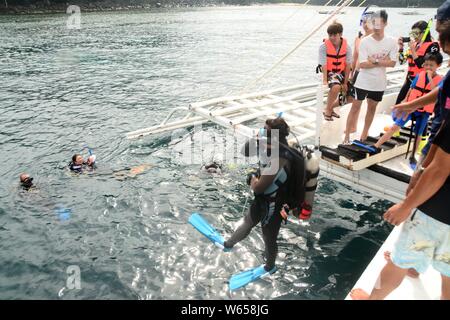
266,208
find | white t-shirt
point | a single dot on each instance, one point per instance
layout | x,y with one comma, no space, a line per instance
374,79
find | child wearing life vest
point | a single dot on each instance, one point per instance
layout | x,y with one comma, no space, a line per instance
424,82
335,59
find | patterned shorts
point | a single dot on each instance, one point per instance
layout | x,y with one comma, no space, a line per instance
423,241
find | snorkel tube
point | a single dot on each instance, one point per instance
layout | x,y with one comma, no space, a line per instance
366,14
92,156
427,30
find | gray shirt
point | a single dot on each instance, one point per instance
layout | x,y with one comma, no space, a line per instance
323,54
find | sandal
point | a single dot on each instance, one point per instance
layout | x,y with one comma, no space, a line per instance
327,117
334,114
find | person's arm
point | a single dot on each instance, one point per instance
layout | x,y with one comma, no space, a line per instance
390,60
411,106
348,67
425,163
430,78
432,179
259,185
355,56
323,62
412,47
325,75
365,62
387,63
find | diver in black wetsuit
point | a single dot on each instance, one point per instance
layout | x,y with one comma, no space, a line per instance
270,189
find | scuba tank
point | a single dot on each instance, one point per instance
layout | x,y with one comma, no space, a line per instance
310,184
302,187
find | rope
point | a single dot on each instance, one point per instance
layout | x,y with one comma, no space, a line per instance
337,10
295,12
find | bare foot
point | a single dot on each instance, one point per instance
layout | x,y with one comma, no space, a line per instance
412,273
359,294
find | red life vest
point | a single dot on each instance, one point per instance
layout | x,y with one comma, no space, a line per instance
336,61
422,88
413,69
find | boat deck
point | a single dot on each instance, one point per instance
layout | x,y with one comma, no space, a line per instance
302,106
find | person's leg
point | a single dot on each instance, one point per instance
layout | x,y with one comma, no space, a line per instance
421,124
354,128
371,108
403,91
406,255
352,119
387,136
332,97
251,219
412,273
270,234
445,288
390,278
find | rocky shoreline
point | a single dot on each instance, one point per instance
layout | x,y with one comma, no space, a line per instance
61,8
47,7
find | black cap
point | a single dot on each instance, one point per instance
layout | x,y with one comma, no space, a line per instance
443,12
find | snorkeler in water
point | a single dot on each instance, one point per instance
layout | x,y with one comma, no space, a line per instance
26,181
213,167
78,164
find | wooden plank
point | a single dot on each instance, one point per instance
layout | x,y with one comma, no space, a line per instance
370,160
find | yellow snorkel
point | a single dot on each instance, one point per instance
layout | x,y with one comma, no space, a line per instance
424,37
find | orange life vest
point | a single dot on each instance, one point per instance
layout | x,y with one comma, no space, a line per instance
413,69
422,88
336,61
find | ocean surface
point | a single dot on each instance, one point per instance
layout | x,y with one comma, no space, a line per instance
63,90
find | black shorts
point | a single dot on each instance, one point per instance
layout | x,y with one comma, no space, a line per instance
361,94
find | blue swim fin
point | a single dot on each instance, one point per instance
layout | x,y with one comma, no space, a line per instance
369,148
199,223
63,213
240,280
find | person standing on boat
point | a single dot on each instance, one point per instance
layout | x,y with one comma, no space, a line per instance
424,82
367,28
335,59
424,239
440,96
376,53
420,44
